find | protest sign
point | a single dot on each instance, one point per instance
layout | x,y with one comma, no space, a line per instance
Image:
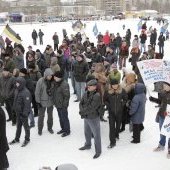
151,70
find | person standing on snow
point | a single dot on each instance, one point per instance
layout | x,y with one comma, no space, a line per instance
34,37
137,111
22,106
56,41
89,111
43,97
115,99
164,102
41,34
61,97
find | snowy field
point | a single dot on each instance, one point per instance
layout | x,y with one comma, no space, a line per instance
52,150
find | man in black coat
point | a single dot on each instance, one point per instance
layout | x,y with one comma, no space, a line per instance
34,37
3,142
61,97
153,38
22,106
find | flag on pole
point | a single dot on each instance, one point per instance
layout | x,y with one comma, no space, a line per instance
139,25
164,28
11,34
95,30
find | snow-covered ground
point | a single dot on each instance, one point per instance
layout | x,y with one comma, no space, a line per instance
52,150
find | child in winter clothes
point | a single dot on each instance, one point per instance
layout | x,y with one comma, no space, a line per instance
137,111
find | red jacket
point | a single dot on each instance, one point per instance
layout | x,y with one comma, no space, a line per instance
106,39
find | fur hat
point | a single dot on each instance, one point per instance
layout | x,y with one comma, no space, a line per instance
114,82
23,70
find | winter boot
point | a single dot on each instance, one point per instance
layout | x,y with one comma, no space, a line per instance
14,142
159,148
25,143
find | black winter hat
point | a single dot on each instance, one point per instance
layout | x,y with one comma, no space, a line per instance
59,74
6,69
114,82
23,70
6,55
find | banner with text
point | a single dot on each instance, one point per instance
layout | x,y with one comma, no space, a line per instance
154,70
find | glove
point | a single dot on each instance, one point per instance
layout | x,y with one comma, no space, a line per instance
39,105
151,98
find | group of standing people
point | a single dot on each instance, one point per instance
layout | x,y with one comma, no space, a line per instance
96,81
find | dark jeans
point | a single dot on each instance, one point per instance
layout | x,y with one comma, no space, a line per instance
34,103
162,141
136,132
41,41
114,127
161,49
55,47
42,115
63,118
22,122
35,41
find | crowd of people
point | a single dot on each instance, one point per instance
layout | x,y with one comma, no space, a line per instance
100,81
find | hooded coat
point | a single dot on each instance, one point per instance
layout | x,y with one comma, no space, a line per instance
137,108
41,95
22,99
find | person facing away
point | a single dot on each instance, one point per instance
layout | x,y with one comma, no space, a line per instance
137,111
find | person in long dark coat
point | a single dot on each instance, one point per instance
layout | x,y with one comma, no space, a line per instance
3,142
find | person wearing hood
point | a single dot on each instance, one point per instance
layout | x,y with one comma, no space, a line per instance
106,38
115,99
61,97
54,65
80,71
137,111
43,97
22,106
3,141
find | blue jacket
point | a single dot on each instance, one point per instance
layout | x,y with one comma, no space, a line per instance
137,108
